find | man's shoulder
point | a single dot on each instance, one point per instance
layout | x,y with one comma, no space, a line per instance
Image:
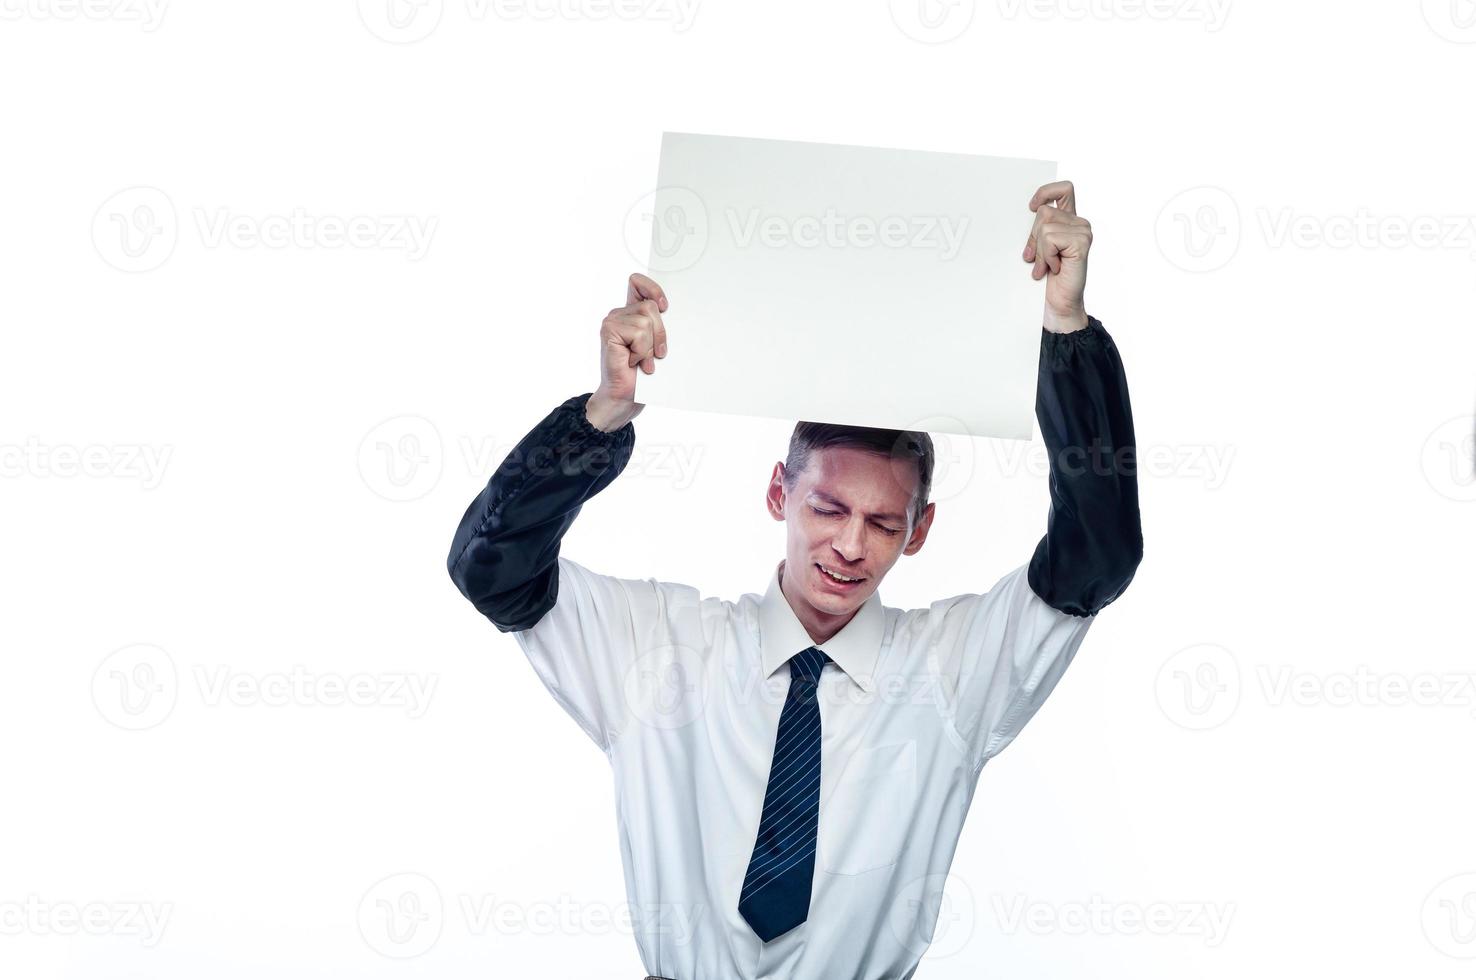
937,612
658,596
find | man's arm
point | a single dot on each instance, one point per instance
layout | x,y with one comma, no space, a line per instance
504,554
1004,651
580,630
1000,654
1094,537
1093,540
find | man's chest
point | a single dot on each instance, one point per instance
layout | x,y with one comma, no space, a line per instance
697,772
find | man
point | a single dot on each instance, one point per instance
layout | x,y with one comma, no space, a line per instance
787,801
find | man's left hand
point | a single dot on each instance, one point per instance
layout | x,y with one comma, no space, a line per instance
1058,245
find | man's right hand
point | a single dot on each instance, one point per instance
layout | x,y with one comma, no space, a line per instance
631,335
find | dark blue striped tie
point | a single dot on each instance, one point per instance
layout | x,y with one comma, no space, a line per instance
776,890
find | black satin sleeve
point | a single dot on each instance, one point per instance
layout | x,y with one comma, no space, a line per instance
1094,538
504,557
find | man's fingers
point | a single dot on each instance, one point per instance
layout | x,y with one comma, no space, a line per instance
1043,214
1055,201
646,316
1060,192
652,309
645,293
1051,241
1058,240
1047,216
637,330
644,287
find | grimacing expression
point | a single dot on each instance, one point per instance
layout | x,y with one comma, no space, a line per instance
849,512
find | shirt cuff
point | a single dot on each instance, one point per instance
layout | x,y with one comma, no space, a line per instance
586,430
1061,349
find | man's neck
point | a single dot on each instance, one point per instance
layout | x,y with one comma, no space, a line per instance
819,625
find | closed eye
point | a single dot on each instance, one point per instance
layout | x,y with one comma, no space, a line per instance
831,513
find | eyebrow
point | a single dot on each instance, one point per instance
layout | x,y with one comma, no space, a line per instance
894,518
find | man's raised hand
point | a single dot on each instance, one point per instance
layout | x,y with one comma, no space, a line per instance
1058,246
631,336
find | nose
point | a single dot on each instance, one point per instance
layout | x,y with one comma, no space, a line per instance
848,542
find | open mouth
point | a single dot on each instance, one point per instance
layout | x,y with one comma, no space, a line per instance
837,580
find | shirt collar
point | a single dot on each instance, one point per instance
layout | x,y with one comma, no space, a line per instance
854,649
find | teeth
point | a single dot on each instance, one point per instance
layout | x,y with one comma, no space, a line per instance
838,578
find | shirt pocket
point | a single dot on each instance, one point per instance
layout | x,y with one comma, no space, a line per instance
865,822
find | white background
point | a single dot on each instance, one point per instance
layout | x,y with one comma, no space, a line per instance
1248,733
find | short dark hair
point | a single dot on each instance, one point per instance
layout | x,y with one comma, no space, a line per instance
896,444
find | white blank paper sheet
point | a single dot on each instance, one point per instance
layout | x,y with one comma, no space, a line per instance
851,284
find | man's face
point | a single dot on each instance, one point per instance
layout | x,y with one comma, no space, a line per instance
849,513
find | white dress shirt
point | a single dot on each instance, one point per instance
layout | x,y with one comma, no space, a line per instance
683,694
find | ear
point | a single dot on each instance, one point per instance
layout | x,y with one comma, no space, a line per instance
920,533
774,497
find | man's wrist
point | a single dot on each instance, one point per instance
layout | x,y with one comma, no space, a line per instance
1069,323
605,416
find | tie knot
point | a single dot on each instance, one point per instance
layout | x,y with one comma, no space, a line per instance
807,664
